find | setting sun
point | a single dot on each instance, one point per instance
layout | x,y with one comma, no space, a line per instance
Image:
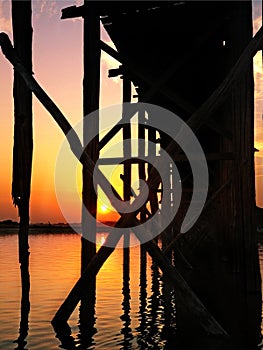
103,209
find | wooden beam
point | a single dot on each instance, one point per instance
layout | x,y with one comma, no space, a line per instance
72,12
115,72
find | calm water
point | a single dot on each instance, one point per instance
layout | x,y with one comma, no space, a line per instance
123,315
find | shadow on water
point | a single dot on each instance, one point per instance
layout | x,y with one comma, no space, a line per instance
126,330
86,324
87,321
141,329
157,317
151,311
63,333
157,328
84,339
25,305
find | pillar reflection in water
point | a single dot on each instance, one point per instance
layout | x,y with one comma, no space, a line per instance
126,330
25,307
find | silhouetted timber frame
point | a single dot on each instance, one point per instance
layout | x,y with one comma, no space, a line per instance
235,91
97,261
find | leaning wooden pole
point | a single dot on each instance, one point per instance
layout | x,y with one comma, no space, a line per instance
23,139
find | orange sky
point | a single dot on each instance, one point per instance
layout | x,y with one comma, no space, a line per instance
57,64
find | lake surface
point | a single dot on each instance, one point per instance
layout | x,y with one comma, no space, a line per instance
122,320
128,315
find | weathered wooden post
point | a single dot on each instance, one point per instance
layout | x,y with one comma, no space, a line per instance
91,93
126,131
142,176
23,142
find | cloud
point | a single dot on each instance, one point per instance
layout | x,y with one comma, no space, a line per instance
5,17
47,7
257,22
256,9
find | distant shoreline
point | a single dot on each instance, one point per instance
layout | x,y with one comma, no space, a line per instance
35,229
48,229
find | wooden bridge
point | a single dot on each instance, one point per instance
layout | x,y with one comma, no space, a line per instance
194,59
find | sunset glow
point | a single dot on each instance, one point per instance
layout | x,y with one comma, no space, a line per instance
103,209
58,67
